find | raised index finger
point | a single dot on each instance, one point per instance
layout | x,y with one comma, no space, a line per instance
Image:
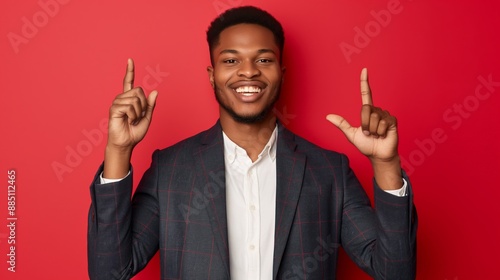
128,80
366,93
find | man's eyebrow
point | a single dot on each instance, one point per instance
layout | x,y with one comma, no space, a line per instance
228,51
231,51
266,51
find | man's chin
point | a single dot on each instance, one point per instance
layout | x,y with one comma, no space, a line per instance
255,118
248,119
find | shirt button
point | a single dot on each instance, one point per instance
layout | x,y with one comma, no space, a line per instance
251,247
252,207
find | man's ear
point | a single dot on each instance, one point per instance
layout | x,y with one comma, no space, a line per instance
210,71
283,70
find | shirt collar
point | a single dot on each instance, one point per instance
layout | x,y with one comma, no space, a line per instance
231,150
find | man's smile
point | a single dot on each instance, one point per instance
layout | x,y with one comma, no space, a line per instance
245,89
248,90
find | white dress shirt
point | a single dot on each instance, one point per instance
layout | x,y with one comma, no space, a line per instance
250,204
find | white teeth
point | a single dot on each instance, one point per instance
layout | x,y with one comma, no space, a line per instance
248,90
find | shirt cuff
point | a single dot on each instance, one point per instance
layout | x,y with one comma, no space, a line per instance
107,181
399,192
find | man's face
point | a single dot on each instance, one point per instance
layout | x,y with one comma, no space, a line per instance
246,75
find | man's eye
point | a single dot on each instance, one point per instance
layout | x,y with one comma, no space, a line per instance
230,61
264,60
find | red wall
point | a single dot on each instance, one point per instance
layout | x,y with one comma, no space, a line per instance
433,64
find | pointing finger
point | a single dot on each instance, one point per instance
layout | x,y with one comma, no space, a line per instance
366,93
128,80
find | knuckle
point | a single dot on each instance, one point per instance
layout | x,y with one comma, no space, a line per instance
374,116
121,95
139,90
129,108
135,100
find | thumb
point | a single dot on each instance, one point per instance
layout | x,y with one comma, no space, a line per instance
341,124
151,104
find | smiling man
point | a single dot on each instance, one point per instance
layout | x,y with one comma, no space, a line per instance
248,199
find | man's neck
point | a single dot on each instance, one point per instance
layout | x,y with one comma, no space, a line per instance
252,137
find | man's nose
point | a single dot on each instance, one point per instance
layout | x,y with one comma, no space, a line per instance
248,69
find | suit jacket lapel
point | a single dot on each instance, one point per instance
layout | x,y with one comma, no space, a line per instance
210,176
290,166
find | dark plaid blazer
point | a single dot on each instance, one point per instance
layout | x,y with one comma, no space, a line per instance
179,208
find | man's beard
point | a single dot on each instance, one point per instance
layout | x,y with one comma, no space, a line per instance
248,119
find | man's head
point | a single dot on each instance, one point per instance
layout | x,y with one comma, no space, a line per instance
245,14
246,73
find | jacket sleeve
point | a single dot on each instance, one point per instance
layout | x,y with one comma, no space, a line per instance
122,233
382,241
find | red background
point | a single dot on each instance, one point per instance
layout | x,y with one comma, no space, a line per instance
63,65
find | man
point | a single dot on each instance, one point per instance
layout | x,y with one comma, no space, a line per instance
248,199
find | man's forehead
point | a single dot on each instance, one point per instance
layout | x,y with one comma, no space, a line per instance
235,51
243,35
246,28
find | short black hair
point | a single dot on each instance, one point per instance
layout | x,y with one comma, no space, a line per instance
244,14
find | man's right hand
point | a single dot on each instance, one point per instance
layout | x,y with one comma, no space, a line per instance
129,120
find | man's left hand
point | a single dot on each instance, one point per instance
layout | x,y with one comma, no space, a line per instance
376,138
